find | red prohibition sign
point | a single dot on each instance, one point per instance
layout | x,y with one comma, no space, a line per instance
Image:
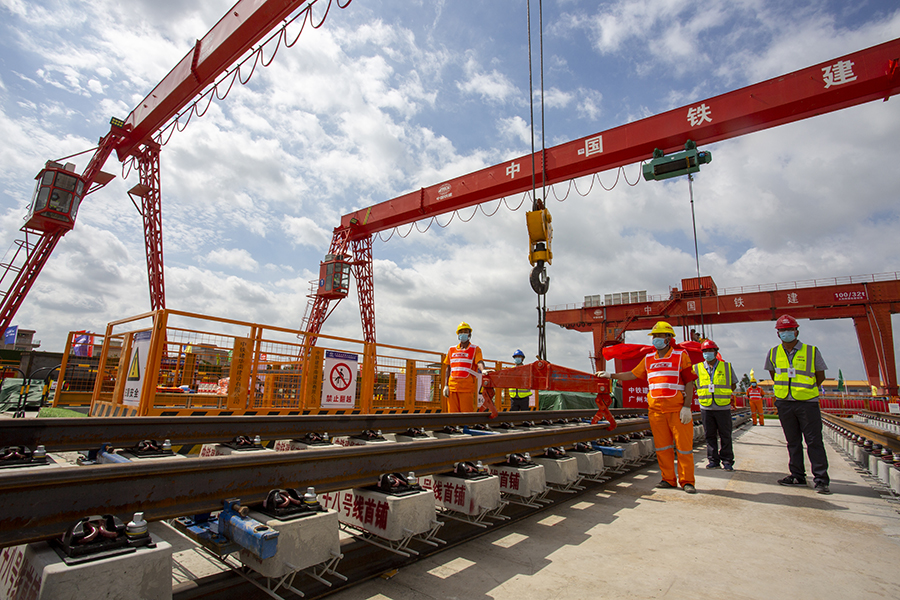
340,377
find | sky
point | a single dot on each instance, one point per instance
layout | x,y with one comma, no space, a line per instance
389,96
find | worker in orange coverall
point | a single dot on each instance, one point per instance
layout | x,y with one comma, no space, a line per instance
755,395
462,377
670,381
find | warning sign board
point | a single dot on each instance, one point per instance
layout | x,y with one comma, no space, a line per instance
339,385
137,365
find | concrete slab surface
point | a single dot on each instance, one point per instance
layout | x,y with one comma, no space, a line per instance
742,536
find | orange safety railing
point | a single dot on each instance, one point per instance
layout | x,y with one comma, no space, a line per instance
78,370
170,362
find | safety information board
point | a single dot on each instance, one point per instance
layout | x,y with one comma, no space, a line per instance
339,383
137,365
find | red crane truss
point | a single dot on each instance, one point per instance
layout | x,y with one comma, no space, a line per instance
869,301
236,33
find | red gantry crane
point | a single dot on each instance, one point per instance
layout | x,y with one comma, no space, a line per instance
864,76
61,190
869,300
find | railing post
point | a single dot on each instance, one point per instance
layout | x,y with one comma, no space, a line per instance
367,385
441,375
151,373
409,396
60,379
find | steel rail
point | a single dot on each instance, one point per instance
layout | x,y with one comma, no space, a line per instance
40,503
880,436
891,417
57,435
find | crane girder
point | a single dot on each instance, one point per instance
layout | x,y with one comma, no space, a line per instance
237,31
856,78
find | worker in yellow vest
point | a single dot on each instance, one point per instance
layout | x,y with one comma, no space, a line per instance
715,385
797,371
518,399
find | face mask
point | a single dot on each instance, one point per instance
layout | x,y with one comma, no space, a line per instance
709,356
660,343
463,337
518,360
787,336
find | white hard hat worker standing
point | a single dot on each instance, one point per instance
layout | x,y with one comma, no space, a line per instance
463,373
797,371
670,381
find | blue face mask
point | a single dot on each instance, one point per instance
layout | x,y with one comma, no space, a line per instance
518,360
463,337
709,356
787,336
660,343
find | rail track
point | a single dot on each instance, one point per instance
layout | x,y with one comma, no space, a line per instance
876,434
41,503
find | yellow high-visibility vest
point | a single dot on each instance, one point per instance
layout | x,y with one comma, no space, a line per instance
721,384
802,386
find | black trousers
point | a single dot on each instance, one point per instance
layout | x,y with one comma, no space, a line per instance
519,403
717,426
802,421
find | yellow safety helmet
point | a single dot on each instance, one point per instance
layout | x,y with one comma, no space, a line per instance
662,327
462,326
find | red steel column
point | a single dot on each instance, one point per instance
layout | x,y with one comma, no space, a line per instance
36,257
362,270
151,210
867,348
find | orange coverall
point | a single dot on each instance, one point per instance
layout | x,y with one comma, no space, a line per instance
669,433
755,395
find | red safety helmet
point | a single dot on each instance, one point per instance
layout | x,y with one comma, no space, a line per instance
786,322
708,345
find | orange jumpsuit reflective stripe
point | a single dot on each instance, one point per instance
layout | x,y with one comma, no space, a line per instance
666,389
671,435
462,363
756,405
463,381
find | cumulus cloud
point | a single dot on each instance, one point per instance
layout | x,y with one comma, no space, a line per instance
379,103
236,258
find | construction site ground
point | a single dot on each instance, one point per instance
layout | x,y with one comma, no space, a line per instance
742,536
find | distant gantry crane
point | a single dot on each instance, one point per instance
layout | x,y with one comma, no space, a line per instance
869,300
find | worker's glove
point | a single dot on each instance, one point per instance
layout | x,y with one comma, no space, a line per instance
685,415
446,391
603,374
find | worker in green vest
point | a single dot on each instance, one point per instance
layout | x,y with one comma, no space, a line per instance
518,399
797,371
715,387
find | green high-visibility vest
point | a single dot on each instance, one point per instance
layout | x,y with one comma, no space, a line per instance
721,384
802,386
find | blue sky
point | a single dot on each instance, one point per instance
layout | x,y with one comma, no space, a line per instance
390,96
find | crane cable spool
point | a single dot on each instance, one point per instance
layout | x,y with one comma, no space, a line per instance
540,231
